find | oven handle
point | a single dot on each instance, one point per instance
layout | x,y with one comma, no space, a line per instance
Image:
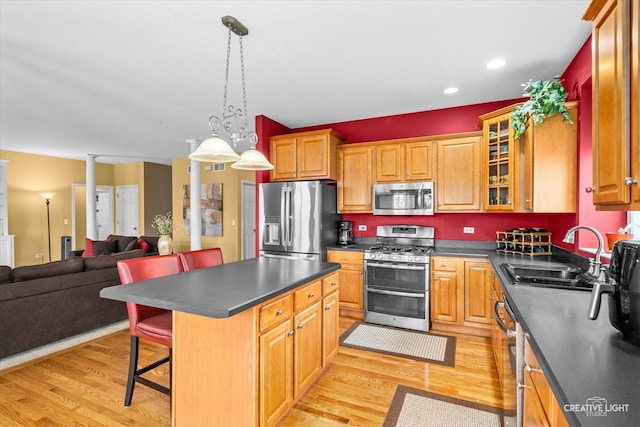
395,266
399,294
505,329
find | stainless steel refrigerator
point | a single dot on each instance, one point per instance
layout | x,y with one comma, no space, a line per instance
298,219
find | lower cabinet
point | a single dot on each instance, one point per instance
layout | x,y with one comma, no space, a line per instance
351,282
299,335
540,405
460,289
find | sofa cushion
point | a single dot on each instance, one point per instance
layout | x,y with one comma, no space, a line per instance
123,241
109,261
99,247
55,268
5,274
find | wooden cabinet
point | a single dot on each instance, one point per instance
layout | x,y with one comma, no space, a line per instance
355,178
444,290
478,281
616,104
536,173
499,191
460,289
304,156
276,375
410,160
547,165
459,174
351,278
299,336
540,405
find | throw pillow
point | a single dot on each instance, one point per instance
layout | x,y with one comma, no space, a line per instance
132,245
142,244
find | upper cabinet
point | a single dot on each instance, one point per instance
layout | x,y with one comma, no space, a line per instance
304,155
616,104
355,178
536,173
499,190
459,174
409,160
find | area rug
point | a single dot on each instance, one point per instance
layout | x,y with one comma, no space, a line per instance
401,342
412,407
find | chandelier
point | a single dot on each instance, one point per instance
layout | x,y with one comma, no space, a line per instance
234,121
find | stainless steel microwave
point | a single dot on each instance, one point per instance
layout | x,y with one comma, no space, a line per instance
407,198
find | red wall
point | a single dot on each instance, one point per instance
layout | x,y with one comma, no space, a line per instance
449,226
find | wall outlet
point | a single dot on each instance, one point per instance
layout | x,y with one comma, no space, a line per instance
469,230
362,228
38,256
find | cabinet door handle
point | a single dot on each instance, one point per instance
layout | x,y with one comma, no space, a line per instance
291,333
628,181
530,368
311,295
333,283
279,312
301,325
590,189
327,308
435,279
345,259
301,172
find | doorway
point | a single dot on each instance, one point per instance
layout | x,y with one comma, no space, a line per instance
127,208
104,213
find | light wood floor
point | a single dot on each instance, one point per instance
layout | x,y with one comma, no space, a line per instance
85,386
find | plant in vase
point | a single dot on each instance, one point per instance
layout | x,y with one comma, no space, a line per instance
612,238
164,224
546,98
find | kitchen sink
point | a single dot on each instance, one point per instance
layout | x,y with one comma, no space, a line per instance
565,277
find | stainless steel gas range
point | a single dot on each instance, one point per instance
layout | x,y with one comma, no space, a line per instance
397,276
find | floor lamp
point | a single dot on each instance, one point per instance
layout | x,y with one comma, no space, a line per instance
47,197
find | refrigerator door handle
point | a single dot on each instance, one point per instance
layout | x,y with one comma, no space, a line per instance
287,214
283,215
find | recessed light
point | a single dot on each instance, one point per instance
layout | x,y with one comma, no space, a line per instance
451,90
496,63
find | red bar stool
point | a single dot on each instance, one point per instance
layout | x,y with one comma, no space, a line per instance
202,258
150,323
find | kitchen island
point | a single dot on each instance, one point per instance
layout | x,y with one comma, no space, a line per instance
225,341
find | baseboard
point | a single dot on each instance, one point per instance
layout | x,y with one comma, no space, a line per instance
46,350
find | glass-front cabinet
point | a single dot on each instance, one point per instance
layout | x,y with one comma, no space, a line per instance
499,187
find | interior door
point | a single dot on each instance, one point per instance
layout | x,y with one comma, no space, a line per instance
248,219
127,210
104,214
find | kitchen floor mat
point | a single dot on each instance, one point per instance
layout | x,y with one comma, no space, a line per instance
412,407
401,342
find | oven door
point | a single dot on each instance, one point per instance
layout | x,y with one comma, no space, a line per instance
396,276
505,333
397,294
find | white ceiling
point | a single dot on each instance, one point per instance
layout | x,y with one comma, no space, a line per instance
135,79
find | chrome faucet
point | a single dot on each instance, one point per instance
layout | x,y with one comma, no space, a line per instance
594,269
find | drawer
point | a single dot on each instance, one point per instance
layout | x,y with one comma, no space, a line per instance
443,263
276,311
330,283
345,257
307,295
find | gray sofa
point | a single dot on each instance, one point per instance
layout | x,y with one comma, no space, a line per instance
41,304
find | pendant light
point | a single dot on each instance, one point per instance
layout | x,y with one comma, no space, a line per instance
234,124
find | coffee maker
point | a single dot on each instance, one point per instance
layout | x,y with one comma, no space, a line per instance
345,232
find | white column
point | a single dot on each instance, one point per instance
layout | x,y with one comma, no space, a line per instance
92,221
196,213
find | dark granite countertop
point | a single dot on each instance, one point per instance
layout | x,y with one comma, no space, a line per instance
224,290
582,359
